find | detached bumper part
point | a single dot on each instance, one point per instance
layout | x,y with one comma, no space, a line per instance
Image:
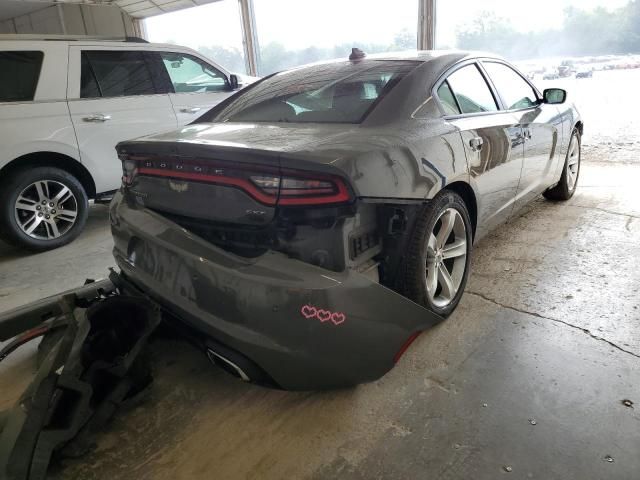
308,328
92,366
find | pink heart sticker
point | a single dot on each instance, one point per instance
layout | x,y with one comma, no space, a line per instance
308,311
323,315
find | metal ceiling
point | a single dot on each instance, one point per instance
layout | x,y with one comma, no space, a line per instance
135,8
15,9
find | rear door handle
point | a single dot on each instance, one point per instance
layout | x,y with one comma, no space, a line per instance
97,118
190,110
527,134
476,144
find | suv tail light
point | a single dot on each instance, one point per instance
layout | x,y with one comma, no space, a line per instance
264,183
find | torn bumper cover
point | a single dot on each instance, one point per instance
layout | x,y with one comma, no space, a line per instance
308,328
90,364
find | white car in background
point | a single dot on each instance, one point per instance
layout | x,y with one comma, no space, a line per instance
64,105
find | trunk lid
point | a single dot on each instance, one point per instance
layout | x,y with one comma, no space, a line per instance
229,172
201,180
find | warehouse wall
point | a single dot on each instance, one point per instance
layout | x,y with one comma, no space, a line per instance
74,19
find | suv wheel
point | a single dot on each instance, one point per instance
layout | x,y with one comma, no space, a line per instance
439,253
42,208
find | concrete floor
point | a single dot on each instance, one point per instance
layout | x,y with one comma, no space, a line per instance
526,379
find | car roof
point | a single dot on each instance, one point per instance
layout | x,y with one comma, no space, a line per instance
84,39
443,57
69,38
427,55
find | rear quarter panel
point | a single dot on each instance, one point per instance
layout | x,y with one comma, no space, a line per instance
412,160
44,124
36,127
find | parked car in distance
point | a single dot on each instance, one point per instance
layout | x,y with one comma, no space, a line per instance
65,102
313,224
551,76
584,74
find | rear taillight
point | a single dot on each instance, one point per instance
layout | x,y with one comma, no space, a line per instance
265,184
303,190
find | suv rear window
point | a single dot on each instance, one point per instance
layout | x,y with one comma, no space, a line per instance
19,73
339,92
115,74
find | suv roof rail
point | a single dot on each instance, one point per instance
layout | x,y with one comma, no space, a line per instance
70,38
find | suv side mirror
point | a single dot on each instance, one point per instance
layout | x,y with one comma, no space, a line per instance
554,96
233,81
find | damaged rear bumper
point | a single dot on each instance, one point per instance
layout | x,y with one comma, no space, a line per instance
308,328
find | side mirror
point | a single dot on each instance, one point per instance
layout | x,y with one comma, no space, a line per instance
233,81
554,96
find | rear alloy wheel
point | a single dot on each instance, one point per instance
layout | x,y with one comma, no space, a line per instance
46,210
42,208
446,258
437,261
566,187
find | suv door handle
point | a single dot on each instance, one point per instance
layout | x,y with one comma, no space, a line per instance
97,118
476,144
190,110
527,134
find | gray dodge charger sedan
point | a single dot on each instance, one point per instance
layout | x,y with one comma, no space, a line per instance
310,226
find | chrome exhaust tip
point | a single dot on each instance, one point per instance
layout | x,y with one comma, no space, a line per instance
227,365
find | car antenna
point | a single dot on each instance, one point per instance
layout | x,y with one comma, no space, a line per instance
356,54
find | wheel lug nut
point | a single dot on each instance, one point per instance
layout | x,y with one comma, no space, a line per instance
38,207
44,202
47,217
51,204
53,211
40,214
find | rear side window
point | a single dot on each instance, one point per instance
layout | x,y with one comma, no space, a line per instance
115,74
88,83
471,90
19,73
446,99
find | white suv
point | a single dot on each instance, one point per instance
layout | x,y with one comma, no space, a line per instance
66,103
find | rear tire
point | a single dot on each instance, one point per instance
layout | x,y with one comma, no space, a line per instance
566,187
42,208
437,262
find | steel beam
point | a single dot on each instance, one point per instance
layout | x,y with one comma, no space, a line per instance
249,36
426,24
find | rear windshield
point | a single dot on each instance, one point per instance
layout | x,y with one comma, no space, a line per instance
342,92
19,72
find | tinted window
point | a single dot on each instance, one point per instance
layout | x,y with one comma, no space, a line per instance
340,92
446,99
19,72
88,84
190,74
116,73
514,90
471,90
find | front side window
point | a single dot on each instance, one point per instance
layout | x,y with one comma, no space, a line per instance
189,74
338,92
115,74
19,73
471,90
514,90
